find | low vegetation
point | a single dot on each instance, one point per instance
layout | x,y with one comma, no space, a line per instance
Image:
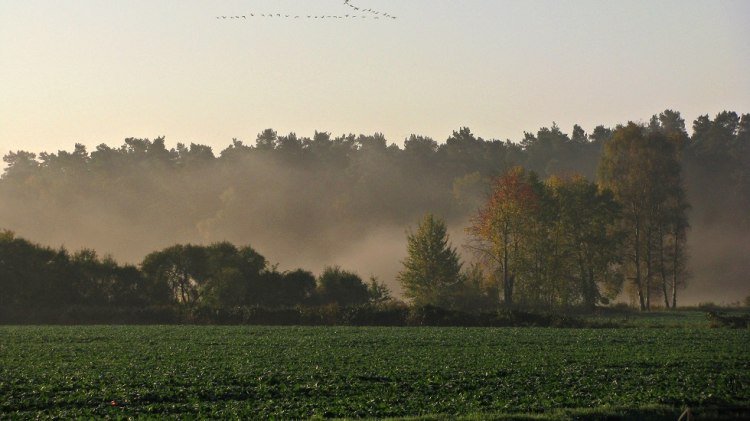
430,373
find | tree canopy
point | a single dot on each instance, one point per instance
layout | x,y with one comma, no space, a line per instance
321,196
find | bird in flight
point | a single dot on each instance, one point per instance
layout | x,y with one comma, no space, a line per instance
365,13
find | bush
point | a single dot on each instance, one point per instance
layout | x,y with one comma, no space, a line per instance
375,315
341,287
17,314
120,315
391,313
708,306
734,321
264,316
436,316
327,315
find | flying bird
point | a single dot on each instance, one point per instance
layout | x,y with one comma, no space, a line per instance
374,14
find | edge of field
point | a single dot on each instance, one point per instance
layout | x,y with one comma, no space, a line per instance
643,413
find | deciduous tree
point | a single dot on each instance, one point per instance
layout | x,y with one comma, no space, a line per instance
500,230
641,166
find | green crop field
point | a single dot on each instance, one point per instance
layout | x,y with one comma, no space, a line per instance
303,372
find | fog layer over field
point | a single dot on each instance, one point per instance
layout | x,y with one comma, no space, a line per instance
349,200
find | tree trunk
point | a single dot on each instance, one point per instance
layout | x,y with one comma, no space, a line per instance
183,287
591,290
638,283
649,270
675,271
663,270
507,282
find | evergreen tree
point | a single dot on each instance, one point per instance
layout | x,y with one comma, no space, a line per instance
432,270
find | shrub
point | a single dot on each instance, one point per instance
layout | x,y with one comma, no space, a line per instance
709,305
734,321
375,315
114,315
322,315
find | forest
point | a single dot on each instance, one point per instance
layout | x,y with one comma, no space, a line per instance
556,222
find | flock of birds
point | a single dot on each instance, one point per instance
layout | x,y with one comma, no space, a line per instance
376,13
358,13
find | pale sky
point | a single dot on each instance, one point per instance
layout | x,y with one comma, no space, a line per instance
98,71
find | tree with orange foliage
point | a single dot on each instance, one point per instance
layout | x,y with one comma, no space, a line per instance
500,229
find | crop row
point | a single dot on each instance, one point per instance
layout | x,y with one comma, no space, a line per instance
299,372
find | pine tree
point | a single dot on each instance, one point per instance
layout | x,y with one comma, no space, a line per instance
432,270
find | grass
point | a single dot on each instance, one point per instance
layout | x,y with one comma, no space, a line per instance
348,372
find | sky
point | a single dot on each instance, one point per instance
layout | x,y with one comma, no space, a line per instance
93,71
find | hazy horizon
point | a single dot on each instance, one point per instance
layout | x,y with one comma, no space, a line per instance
93,72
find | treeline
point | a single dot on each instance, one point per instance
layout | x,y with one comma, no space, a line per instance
216,284
545,237
566,242
325,192
555,245
179,283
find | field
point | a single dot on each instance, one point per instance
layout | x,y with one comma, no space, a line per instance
303,372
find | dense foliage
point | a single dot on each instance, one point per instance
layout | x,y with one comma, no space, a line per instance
298,373
432,271
190,283
546,236
324,192
642,168
551,245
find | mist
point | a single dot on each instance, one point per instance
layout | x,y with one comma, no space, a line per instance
719,266
347,200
